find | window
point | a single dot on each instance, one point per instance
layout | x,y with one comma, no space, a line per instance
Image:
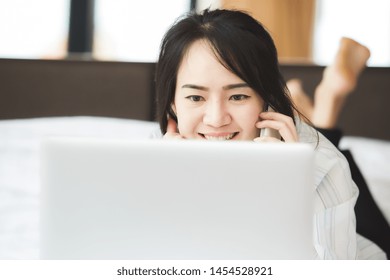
132,30
34,29
366,21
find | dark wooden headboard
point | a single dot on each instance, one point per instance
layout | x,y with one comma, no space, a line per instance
42,88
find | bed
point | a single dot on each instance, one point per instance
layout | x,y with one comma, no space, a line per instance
41,98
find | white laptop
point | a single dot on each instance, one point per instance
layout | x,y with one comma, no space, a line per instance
167,199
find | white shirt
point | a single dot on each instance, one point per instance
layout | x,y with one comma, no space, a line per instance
335,234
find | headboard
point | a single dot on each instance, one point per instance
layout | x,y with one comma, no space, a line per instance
42,88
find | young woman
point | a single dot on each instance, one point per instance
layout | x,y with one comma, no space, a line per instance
217,73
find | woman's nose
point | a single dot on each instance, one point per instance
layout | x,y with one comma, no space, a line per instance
216,114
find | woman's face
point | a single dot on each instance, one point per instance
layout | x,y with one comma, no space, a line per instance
211,102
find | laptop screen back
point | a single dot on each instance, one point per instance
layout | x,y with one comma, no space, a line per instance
156,199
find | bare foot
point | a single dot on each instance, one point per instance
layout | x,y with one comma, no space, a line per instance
339,80
301,100
350,60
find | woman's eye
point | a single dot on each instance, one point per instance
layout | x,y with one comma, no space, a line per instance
194,98
239,97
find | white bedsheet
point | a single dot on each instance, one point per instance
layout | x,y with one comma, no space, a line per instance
19,170
373,158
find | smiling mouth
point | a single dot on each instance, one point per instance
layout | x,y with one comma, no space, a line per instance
219,137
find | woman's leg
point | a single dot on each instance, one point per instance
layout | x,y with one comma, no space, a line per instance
338,81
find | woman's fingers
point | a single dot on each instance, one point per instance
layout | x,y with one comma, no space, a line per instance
172,132
282,123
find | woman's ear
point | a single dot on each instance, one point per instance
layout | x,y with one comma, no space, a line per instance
173,111
173,108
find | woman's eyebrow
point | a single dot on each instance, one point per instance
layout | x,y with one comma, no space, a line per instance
195,87
227,87
234,86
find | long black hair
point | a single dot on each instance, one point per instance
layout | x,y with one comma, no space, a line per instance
240,43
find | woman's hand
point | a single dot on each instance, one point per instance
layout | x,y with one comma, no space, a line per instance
172,132
282,123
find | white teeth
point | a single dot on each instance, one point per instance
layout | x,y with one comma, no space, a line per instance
219,138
